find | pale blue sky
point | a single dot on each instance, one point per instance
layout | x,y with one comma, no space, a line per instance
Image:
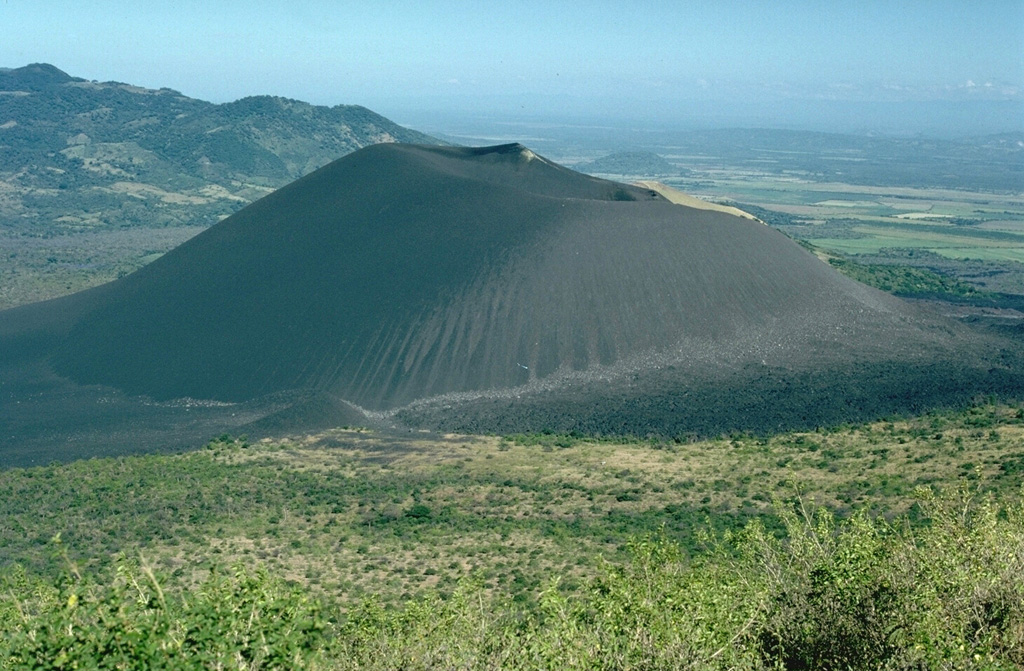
540,57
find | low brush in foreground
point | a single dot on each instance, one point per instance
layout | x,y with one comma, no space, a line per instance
858,594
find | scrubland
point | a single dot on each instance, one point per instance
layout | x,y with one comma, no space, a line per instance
893,543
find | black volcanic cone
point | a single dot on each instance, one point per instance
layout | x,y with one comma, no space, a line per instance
336,282
496,280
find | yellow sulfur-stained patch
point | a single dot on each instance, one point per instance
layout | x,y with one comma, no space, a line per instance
679,198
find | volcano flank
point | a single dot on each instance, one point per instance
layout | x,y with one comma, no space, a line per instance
477,290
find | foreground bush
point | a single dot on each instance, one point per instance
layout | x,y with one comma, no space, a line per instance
230,621
854,594
865,594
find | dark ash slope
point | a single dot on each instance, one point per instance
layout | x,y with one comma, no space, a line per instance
493,291
338,282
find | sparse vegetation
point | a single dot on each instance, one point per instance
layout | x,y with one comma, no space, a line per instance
905,280
857,594
356,550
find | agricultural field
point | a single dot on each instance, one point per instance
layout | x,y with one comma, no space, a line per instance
862,220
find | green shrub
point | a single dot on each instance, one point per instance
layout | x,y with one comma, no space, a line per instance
865,594
236,620
858,593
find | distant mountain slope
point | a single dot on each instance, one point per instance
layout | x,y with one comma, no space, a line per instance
97,179
630,163
476,289
82,154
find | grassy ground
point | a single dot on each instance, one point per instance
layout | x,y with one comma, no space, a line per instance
348,513
365,551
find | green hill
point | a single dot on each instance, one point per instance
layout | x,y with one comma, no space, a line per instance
79,157
631,163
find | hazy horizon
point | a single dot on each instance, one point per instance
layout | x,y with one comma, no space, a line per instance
939,67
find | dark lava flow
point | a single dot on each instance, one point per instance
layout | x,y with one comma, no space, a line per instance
476,290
